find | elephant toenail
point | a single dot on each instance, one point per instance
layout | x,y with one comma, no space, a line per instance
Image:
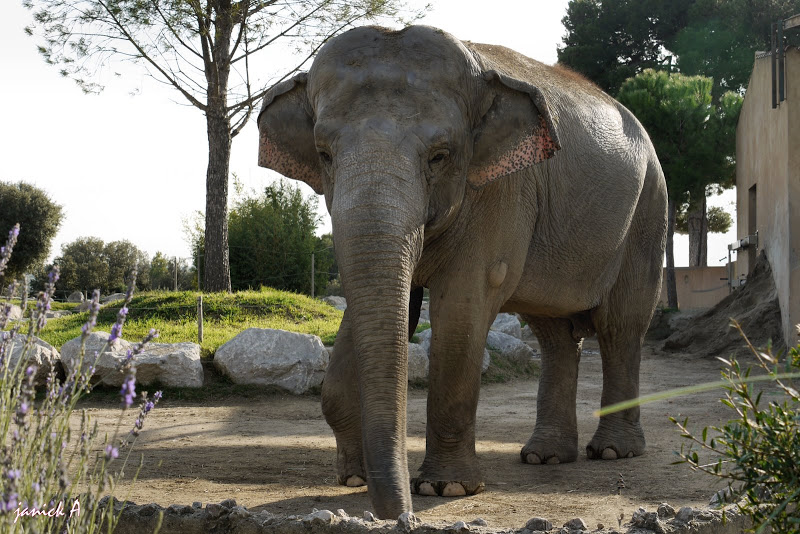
453,489
609,454
533,459
426,488
553,460
355,481
629,455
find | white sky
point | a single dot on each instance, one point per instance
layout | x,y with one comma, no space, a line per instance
133,167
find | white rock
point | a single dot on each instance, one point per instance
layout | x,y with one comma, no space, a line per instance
168,364
527,333
417,362
15,313
292,361
106,363
510,347
424,338
114,297
41,354
337,302
76,296
507,323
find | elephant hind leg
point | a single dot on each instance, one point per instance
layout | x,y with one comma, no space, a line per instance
621,321
340,404
555,436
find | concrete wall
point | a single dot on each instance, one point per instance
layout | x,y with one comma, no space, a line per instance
699,288
768,157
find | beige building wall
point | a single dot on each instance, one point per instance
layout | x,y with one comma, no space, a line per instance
768,182
699,288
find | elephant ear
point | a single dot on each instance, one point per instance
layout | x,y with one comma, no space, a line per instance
286,133
515,130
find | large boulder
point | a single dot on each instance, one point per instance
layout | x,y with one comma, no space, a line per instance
507,323
113,297
106,362
417,362
168,364
76,296
295,362
41,354
14,313
510,347
337,302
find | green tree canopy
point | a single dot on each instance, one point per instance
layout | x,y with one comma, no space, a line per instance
721,37
694,140
204,50
88,263
609,41
272,237
39,219
719,220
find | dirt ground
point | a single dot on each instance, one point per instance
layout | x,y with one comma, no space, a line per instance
277,453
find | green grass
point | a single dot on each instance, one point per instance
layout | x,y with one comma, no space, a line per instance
174,315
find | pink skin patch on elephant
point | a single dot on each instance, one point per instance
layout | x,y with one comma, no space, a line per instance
272,157
533,148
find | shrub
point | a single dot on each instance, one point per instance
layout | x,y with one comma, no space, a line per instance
38,216
758,451
51,480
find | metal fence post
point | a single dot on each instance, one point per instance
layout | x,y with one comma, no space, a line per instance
312,275
200,319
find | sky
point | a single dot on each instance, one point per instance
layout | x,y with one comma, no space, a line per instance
130,163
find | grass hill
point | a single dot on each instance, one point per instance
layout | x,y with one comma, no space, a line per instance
174,315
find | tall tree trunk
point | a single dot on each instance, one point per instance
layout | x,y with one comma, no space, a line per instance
697,222
217,69
672,289
216,262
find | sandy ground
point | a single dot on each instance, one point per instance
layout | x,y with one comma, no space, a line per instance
277,453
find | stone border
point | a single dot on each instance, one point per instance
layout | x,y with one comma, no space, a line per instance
227,517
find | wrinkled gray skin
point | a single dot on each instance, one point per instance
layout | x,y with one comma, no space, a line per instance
439,167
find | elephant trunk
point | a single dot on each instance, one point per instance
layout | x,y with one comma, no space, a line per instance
378,242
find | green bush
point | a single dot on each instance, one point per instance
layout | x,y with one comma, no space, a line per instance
38,217
758,451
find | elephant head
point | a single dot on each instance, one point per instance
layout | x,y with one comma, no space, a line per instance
396,129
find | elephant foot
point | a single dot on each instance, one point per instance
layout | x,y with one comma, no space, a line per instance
540,450
613,442
351,481
443,488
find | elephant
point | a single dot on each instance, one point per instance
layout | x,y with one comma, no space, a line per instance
499,183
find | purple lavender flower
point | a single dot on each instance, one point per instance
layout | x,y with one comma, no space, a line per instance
14,474
5,252
94,309
30,370
128,391
148,406
111,452
9,502
157,396
116,331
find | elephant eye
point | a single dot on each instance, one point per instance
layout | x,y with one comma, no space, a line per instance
325,156
438,157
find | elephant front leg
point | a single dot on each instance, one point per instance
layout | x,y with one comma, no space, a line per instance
459,335
340,404
555,436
